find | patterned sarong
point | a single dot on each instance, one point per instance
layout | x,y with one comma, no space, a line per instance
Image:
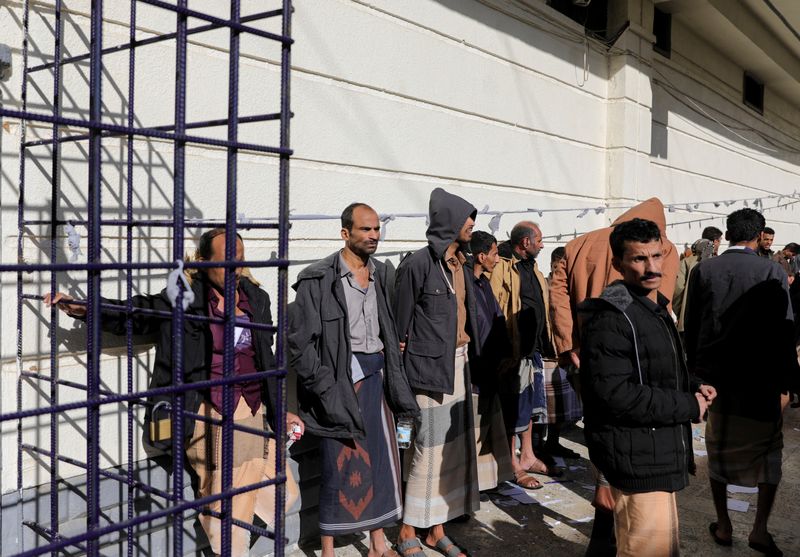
743,451
563,404
360,488
441,466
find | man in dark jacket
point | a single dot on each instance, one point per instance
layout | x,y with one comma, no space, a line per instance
637,395
204,347
435,309
343,346
732,298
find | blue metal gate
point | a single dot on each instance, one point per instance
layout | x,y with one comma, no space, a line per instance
181,133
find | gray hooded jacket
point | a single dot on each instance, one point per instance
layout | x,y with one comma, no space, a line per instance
424,307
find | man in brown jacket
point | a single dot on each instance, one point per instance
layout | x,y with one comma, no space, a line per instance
583,273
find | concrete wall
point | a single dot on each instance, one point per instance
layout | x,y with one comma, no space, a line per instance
498,101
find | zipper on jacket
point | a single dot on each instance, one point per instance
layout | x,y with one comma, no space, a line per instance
677,378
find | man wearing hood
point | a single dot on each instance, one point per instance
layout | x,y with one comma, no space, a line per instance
583,273
434,307
638,396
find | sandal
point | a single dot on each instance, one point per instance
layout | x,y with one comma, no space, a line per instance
410,543
712,529
447,547
768,549
391,553
523,480
552,471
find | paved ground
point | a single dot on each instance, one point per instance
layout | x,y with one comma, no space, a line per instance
559,522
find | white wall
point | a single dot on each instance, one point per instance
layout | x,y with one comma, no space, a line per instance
392,98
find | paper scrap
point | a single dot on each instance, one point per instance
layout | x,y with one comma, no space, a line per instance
582,520
548,503
741,489
736,505
517,493
700,452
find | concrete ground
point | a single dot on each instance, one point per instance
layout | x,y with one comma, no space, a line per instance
559,520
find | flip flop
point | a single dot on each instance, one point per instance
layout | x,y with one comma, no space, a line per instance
390,553
770,549
522,479
552,471
410,543
447,547
712,528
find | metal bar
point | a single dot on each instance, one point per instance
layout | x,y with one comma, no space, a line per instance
93,337
283,278
97,125
156,223
231,243
128,276
244,525
31,267
168,127
183,506
115,399
184,12
164,314
55,173
178,214
133,43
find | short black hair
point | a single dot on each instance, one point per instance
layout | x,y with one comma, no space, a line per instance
711,233
205,249
481,242
793,247
768,230
347,214
559,253
520,231
636,230
744,225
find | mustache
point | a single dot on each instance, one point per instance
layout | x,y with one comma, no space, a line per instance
649,276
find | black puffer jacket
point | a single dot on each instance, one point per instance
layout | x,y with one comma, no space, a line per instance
424,307
638,398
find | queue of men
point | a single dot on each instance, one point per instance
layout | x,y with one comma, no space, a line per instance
487,359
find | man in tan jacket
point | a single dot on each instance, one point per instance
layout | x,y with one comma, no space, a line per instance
521,292
583,273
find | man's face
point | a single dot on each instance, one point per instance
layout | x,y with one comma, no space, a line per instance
717,242
533,244
766,241
217,274
490,259
363,238
640,265
554,264
466,231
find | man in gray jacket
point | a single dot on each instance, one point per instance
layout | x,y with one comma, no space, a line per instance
435,308
343,346
732,298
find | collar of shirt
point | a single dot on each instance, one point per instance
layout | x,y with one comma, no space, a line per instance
244,302
741,248
345,271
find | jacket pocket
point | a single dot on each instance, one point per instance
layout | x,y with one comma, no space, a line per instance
434,301
426,348
665,446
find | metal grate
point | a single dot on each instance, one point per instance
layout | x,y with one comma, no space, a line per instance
181,133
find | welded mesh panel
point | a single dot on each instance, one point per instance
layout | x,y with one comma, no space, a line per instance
142,124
